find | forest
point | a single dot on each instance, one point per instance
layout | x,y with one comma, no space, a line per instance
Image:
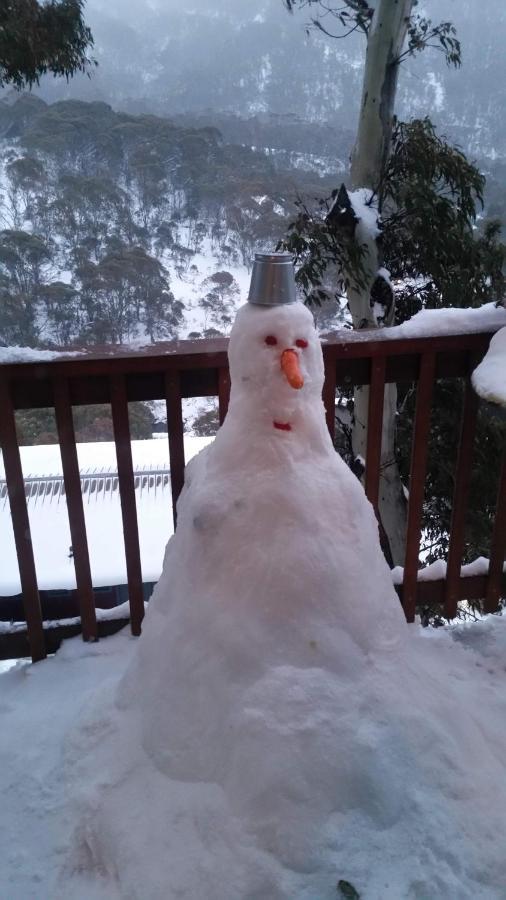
104,215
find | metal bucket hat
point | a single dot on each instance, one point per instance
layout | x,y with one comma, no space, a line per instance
272,280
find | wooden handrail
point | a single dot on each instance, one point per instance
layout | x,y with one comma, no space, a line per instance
199,364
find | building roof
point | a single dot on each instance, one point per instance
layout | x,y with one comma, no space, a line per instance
49,523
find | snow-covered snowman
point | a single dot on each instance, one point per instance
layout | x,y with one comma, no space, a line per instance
276,560
279,725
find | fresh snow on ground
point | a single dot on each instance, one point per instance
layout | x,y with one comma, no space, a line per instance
377,842
489,378
187,283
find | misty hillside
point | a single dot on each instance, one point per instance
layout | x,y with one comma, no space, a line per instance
119,227
256,60
134,199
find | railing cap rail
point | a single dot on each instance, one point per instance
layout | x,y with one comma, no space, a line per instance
212,351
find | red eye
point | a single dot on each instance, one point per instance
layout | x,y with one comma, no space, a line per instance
301,343
271,340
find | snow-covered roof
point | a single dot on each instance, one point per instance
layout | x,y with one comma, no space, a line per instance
49,523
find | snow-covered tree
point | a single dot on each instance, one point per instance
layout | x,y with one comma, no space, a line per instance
126,293
222,291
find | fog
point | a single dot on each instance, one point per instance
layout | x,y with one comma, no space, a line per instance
254,58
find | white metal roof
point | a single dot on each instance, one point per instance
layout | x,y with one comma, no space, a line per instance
49,524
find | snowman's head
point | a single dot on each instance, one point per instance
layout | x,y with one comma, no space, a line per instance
276,363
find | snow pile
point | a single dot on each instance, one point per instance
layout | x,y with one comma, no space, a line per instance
451,320
389,840
279,726
489,378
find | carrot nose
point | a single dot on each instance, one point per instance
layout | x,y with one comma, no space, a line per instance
291,368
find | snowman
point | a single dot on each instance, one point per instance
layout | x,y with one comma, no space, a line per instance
279,725
276,560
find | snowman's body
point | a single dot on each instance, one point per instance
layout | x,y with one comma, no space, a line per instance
275,561
278,727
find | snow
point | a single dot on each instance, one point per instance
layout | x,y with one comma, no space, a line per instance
489,378
268,734
188,283
437,570
44,460
377,847
367,214
385,275
121,611
438,90
451,320
49,523
45,701
278,726
439,322
29,354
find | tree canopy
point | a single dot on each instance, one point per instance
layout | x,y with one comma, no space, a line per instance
36,38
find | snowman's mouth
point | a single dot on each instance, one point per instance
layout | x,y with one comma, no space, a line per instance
282,426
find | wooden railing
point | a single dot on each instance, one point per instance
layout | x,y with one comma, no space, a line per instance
182,369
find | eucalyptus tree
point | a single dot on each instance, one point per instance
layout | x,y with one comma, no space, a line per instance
60,304
25,260
219,299
393,31
127,295
26,177
36,38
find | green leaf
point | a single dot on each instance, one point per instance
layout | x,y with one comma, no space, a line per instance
346,890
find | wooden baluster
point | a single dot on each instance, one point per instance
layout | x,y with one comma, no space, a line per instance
417,481
460,500
74,498
21,524
329,390
121,426
498,545
175,430
223,392
375,429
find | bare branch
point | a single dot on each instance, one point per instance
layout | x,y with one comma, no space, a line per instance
352,15
317,24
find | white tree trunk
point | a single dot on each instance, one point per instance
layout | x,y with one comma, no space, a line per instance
385,41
